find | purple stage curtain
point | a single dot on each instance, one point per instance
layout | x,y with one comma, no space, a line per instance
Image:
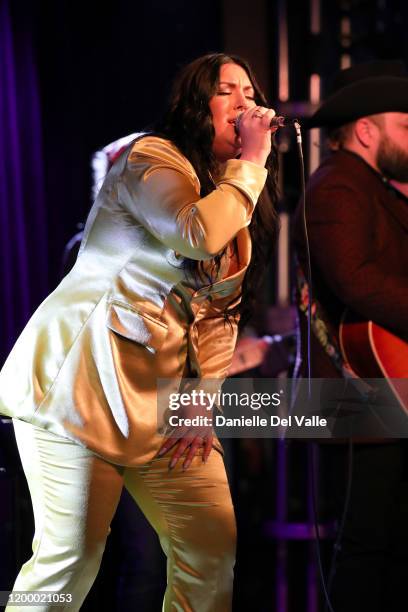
23,236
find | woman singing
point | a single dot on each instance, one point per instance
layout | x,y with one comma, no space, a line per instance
172,254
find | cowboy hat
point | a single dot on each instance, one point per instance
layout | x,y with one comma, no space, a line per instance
364,89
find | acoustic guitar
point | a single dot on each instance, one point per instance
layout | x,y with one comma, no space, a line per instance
374,352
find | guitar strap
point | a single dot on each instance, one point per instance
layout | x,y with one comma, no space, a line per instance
327,339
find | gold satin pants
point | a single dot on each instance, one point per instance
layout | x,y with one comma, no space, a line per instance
75,494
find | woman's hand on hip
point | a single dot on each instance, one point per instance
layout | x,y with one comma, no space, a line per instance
191,437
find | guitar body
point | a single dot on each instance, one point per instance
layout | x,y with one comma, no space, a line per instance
374,352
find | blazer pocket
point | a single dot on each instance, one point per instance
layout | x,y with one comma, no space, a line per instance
136,325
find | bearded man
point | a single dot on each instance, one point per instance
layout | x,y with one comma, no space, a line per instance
357,220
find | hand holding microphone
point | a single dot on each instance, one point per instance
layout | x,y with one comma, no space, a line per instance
276,122
255,126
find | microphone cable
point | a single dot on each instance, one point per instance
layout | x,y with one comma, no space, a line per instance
337,542
312,466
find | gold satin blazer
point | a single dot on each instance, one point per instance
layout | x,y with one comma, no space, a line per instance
85,367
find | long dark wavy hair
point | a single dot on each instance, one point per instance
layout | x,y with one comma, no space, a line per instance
187,122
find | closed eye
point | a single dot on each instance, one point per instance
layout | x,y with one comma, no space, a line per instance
228,93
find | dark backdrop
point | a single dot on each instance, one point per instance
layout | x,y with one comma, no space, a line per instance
104,71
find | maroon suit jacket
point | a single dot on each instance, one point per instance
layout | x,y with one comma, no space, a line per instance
358,234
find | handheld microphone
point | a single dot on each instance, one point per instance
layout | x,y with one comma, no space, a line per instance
277,121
